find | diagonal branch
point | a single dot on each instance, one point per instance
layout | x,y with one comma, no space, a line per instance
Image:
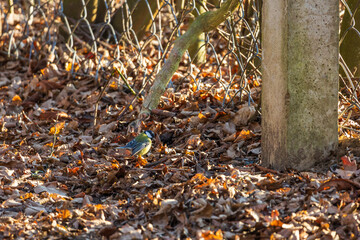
203,23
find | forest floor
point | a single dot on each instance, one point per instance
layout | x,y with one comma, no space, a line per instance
62,178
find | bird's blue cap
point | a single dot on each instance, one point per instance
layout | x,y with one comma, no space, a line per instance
150,134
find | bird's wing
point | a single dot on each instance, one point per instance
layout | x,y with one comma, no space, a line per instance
139,146
130,144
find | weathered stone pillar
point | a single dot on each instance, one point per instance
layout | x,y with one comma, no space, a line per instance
300,82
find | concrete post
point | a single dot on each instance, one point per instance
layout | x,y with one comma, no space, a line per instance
300,82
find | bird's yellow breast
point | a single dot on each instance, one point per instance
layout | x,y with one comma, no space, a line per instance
145,150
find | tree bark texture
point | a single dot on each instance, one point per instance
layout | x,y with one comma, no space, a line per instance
197,50
300,82
74,9
140,16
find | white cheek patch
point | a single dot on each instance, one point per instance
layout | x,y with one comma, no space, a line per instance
149,134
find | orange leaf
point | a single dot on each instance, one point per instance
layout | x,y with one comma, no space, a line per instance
219,115
276,223
16,98
150,196
73,171
283,190
26,196
218,97
209,235
244,135
199,176
55,196
113,85
43,71
201,116
274,214
187,152
207,74
142,161
68,67
207,183
57,128
99,207
349,165
64,213
115,166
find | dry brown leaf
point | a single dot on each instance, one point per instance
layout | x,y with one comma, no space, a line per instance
244,114
349,165
339,184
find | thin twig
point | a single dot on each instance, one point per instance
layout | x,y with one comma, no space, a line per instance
125,81
97,102
54,139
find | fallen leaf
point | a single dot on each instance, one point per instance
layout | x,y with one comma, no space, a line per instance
57,128
339,184
349,165
244,114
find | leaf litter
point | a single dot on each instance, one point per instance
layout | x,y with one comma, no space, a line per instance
62,178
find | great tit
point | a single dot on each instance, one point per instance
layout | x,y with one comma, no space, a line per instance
141,144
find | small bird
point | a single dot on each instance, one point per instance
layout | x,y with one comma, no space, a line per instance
141,144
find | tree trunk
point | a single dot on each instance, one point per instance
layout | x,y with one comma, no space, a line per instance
140,16
74,9
197,50
101,12
11,6
300,82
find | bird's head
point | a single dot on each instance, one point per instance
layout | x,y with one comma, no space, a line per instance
150,134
